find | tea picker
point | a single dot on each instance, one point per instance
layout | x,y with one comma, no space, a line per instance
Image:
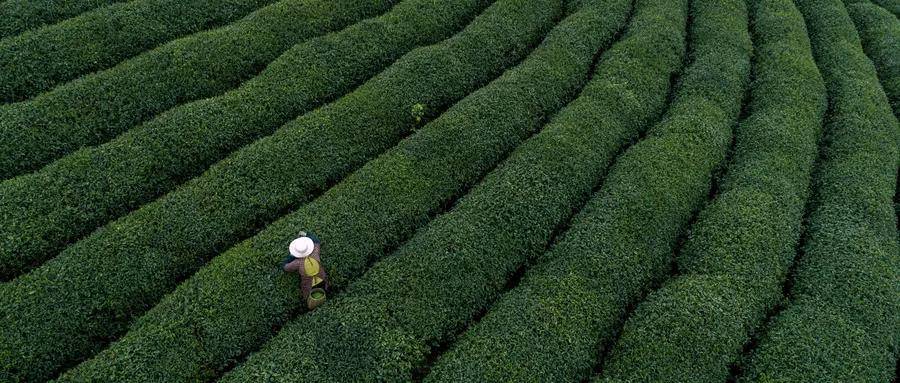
305,259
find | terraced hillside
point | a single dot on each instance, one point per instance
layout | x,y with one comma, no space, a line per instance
505,190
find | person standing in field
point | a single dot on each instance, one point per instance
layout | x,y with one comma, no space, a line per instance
305,260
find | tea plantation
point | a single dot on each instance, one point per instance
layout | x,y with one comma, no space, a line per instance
504,190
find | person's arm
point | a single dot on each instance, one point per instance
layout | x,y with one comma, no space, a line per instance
290,264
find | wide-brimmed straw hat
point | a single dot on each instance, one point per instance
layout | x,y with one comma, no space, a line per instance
302,247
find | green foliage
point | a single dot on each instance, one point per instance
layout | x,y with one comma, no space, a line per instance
449,184
879,31
81,292
893,6
383,327
231,306
845,288
100,106
739,252
68,199
17,16
38,60
418,111
841,351
551,326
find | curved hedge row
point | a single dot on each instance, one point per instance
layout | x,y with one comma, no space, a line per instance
17,16
80,292
573,300
880,34
384,325
38,60
68,199
231,306
892,6
739,252
842,323
100,106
